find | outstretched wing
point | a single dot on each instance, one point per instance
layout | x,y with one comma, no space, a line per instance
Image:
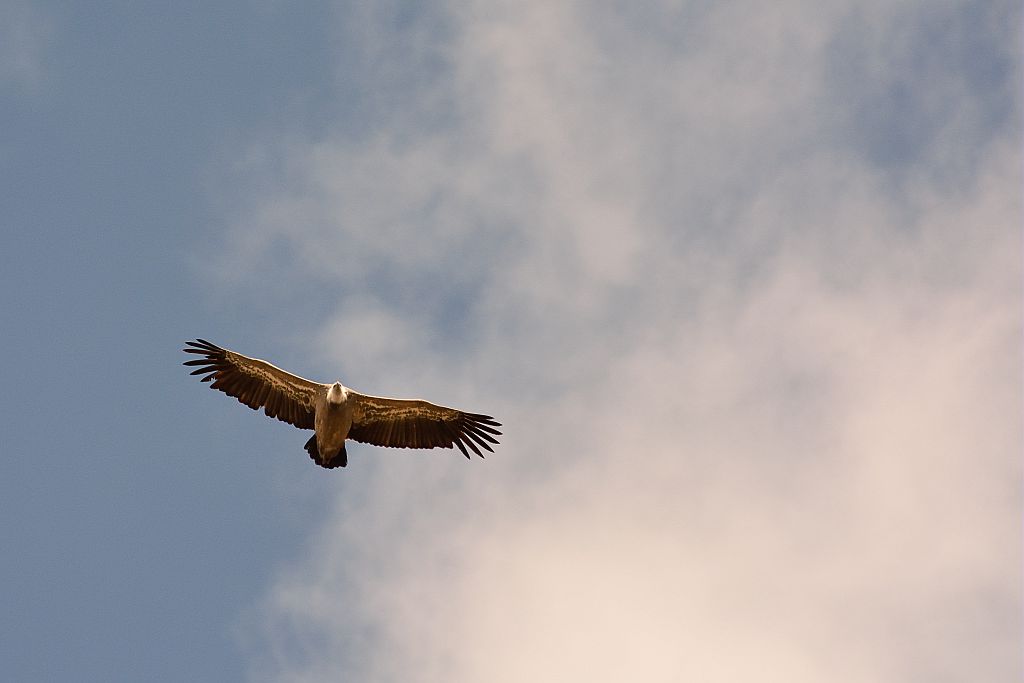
256,383
402,423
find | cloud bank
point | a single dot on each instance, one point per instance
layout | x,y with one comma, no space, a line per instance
743,285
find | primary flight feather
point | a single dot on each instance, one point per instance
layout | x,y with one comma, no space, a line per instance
336,413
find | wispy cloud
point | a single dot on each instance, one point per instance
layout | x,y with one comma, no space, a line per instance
25,32
760,374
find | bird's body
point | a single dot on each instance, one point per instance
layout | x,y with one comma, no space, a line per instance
336,413
333,421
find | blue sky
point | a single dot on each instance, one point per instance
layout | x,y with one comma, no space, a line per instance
743,285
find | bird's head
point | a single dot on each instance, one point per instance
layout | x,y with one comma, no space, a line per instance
336,393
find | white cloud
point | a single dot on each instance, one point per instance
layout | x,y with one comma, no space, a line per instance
761,393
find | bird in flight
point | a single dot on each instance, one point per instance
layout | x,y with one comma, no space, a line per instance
336,413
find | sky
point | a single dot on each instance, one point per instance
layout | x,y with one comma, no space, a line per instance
742,283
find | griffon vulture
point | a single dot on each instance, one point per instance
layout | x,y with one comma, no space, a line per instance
335,413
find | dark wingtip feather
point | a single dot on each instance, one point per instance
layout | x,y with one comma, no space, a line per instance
472,446
486,428
478,433
201,346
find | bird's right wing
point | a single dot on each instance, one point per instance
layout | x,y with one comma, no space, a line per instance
256,383
411,423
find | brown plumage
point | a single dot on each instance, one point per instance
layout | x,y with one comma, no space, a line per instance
337,413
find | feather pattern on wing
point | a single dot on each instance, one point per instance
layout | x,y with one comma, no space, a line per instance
256,383
410,423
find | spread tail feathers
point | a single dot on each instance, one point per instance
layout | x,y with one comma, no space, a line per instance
339,460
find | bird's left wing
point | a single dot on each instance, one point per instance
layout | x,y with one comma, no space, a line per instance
256,383
411,423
